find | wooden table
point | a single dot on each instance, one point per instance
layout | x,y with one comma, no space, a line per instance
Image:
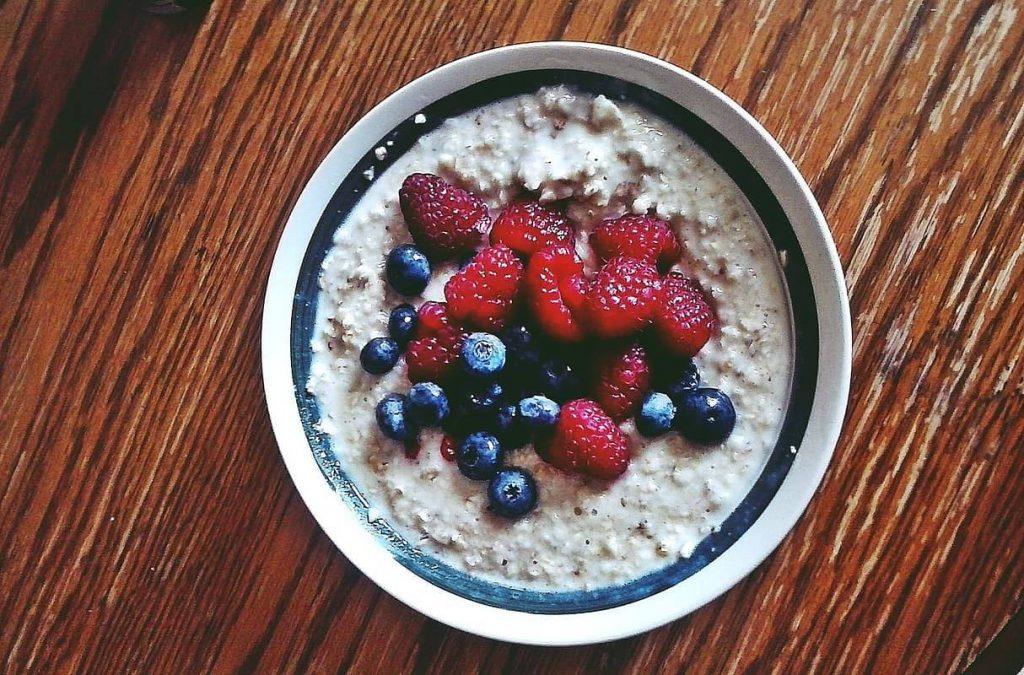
148,165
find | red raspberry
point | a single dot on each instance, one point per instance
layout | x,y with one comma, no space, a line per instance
683,318
642,237
431,319
434,351
586,441
555,289
482,293
443,220
527,227
622,377
448,445
621,298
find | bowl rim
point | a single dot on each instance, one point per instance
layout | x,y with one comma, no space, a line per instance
832,383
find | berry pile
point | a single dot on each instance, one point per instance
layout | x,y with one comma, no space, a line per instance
528,349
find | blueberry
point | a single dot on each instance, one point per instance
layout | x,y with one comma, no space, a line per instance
474,409
427,404
479,456
512,493
483,354
560,379
379,355
705,415
392,418
402,324
681,378
656,414
483,400
523,348
538,412
510,428
407,270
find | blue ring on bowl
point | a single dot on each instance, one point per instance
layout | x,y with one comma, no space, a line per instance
802,302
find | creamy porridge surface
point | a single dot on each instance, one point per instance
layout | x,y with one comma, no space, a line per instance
610,158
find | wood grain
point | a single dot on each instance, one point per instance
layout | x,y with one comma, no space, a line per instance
147,165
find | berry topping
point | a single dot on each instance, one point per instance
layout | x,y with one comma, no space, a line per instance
475,409
432,319
555,287
391,418
680,379
538,413
521,346
482,293
527,227
642,237
482,400
442,219
656,414
622,377
402,324
683,319
479,456
379,355
586,441
407,270
448,447
510,428
705,415
483,354
560,379
434,351
426,404
512,493
621,298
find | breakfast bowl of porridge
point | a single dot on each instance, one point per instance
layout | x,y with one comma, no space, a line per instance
556,344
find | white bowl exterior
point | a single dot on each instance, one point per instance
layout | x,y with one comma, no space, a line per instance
834,353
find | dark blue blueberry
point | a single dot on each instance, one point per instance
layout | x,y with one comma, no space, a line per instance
483,355
379,355
402,324
392,418
509,427
474,409
560,380
681,378
407,269
484,399
538,412
512,492
427,404
479,456
523,348
656,414
705,415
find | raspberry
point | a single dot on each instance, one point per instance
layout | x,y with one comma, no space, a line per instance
623,376
448,446
554,288
482,293
443,220
586,441
527,227
431,319
433,353
642,237
621,298
683,318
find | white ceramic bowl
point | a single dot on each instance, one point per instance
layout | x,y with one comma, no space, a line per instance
822,296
